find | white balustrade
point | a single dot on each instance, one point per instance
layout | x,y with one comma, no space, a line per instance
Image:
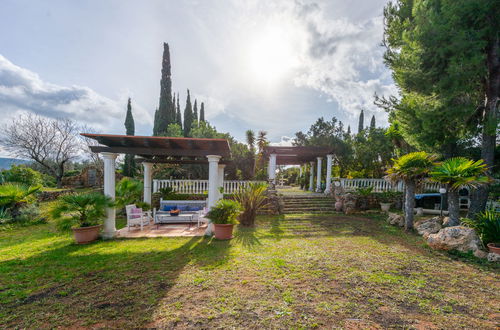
199,186
380,185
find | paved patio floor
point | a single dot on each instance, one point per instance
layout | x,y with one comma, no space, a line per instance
170,230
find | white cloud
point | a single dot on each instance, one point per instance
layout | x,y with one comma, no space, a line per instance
22,90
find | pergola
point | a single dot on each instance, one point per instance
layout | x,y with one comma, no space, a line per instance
301,155
156,149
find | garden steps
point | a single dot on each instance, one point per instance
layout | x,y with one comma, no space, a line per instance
313,204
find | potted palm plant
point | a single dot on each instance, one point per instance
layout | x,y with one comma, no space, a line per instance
457,173
411,169
83,213
224,215
385,201
251,199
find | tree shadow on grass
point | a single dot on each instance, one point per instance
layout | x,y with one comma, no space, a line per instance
246,236
114,283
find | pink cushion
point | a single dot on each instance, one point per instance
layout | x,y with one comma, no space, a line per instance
135,213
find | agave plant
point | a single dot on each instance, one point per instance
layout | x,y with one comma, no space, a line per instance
411,168
80,210
251,199
457,173
11,194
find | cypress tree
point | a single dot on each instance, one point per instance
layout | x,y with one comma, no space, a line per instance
155,124
349,130
361,121
129,162
195,110
202,112
178,115
165,108
372,122
188,116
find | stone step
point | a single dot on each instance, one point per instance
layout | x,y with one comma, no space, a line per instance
310,212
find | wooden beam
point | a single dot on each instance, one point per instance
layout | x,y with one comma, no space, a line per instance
178,161
158,152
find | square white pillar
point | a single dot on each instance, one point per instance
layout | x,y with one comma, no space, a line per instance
147,181
311,177
318,179
109,230
329,159
220,178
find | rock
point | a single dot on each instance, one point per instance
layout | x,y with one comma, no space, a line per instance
455,238
396,219
493,257
446,222
428,226
420,211
349,204
481,254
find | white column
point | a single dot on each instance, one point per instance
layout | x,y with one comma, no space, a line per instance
272,168
213,171
220,177
311,177
329,159
147,182
318,179
109,190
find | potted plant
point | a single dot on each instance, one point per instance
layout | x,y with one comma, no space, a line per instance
385,201
224,216
487,226
83,213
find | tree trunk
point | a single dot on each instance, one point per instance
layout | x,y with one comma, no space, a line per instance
453,207
59,181
409,205
490,124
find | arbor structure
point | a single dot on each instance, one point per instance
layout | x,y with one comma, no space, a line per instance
129,167
51,143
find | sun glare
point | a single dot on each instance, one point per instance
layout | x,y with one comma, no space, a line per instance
271,56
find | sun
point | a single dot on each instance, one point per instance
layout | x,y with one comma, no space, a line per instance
271,55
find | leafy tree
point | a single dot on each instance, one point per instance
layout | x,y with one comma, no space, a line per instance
188,116
411,169
129,166
457,173
444,58
166,110
361,123
174,130
22,174
202,112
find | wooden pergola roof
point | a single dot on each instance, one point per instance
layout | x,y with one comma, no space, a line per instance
296,155
159,149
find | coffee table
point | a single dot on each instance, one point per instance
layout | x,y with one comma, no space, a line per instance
181,218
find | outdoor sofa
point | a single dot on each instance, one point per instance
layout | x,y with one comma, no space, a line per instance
191,211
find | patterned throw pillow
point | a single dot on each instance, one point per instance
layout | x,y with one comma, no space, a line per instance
135,213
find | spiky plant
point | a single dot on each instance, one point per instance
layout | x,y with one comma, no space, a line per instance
457,173
487,225
11,194
411,169
80,210
128,191
251,199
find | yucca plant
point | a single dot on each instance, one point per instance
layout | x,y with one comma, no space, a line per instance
80,210
411,168
251,199
487,225
457,173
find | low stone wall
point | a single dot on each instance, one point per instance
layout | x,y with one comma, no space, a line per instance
46,196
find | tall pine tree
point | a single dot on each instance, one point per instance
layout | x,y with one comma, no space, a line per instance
372,122
361,124
188,116
166,111
195,110
129,167
178,116
202,112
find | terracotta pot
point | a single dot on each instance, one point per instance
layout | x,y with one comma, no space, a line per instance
223,231
86,235
494,247
385,207
338,206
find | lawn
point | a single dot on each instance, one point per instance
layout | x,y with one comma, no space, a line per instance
290,272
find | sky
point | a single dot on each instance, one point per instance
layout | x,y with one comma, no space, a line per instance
257,64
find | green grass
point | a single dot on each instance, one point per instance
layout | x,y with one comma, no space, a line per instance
298,271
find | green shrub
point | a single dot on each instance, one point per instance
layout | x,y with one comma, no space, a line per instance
71,173
22,174
5,216
128,191
225,212
30,214
364,191
487,226
12,194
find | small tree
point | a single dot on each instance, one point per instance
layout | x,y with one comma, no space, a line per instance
251,199
411,169
52,143
457,173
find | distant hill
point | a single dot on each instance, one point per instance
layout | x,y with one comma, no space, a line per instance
6,163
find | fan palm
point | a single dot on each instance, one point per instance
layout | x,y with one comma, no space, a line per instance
128,191
251,199
80,210
457,173
14,193
411,169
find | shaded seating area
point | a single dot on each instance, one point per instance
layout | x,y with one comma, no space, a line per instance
149,150
178,211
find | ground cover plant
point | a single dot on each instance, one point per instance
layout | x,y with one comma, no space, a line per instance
288,272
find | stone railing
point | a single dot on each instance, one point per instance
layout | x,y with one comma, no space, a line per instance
198,186
380,185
